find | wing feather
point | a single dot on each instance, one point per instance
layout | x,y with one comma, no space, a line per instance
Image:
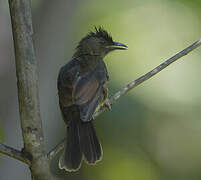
87,93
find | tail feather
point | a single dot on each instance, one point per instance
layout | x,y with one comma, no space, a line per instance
71,157
90,145
81,141
97,144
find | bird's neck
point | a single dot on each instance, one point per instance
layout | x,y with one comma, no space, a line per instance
89,59
89,62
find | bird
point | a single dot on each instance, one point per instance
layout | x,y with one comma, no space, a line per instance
82,87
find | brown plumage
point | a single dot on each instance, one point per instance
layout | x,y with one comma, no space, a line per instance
81,88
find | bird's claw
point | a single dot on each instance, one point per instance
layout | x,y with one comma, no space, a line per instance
107,104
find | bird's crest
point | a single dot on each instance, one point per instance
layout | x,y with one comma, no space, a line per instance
99,33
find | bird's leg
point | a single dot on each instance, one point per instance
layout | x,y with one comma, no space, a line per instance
106,101
107,104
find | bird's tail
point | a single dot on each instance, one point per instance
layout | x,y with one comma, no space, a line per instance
81,142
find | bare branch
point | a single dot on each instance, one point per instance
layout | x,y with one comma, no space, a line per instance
132,85
27,83
55,150
14,153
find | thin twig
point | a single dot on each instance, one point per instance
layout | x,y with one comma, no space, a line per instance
14,153
148,75
134,84
55,150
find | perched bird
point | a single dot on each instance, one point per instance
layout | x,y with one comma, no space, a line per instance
81,88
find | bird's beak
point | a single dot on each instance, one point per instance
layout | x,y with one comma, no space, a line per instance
118,45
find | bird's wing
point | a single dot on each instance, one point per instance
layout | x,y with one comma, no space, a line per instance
87,94
82,89
65,85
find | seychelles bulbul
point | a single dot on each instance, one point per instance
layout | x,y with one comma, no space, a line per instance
82,86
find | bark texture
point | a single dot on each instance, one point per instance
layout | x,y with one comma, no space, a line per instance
27,83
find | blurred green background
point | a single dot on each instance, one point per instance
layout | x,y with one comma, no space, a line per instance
153,132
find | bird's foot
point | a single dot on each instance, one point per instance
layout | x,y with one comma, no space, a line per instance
107,104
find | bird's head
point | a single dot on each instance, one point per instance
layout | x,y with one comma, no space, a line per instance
98,43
